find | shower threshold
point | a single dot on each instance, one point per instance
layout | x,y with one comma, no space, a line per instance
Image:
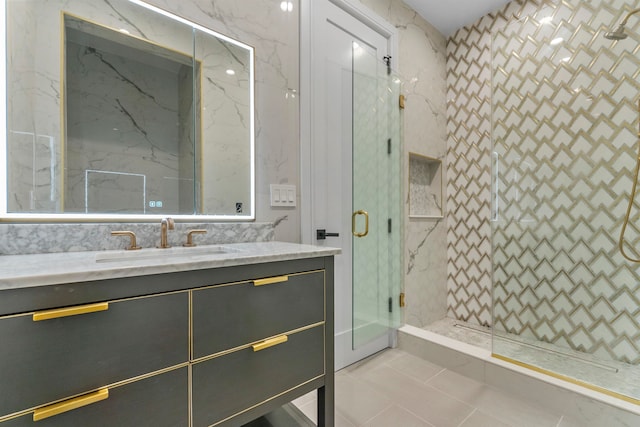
618,379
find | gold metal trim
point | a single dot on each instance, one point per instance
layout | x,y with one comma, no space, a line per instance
200,136
401,102
70,311
270,343
133,36
402,299
250,345
270,280
632,195
267,400
568,379
366,223
190,393
191,325
63,108
69,405
108,387
8,316
244,282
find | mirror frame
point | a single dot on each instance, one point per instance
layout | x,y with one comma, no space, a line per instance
9,217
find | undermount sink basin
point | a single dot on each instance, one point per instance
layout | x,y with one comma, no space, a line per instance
163,254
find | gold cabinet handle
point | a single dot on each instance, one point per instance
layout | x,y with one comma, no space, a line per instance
69,405
270,342
270,280
71,311
366,223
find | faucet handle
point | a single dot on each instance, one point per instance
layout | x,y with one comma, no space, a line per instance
189,242
133,245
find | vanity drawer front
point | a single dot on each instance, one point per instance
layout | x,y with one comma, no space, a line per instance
226,385
53,359
161,400
225,317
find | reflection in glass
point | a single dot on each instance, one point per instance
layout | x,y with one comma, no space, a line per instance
121,108
129,115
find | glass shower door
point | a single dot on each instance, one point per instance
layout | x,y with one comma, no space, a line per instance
377,186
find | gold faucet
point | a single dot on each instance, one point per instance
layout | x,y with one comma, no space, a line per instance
165,224
133,245
190,243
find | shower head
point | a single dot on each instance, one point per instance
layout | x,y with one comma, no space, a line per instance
618,33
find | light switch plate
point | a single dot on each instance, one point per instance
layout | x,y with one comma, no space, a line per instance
283,195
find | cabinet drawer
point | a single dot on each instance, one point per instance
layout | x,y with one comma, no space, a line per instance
161,400
48,360
226,385
226,317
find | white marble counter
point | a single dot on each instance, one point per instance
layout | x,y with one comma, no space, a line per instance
22,271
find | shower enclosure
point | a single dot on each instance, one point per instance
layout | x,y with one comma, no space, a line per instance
565,119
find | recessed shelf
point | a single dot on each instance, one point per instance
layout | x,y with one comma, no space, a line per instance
425,187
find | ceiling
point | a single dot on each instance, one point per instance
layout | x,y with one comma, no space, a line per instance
451,15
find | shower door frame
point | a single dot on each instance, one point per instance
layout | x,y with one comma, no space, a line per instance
308,110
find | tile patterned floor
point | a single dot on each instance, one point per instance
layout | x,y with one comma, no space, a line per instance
396,389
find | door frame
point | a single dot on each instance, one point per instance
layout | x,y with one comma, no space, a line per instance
308,35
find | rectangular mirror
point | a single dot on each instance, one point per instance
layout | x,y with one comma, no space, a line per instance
119,110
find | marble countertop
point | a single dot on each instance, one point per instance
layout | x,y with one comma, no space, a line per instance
21,271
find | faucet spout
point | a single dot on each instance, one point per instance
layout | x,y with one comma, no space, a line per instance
165,225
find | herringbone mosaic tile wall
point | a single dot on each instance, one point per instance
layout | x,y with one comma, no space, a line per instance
564,138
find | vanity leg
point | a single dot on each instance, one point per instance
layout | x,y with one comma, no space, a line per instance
326,417
326,394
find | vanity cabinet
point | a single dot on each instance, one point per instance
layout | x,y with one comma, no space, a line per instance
219,346
159,401
229,316
51,355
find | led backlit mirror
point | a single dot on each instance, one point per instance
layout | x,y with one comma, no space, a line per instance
120,110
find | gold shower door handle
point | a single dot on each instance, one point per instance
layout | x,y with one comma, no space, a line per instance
366,223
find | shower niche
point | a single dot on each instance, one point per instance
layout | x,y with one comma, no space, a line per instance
425,187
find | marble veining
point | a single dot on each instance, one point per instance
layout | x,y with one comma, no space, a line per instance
421,67
259,23
18,239
20,271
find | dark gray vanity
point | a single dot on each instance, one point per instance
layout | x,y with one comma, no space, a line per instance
220,340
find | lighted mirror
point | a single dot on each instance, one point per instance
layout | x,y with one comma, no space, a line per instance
121,110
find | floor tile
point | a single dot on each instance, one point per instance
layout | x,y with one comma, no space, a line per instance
490,401
426,402
458,386
357,401
373,362
395,389
397,416
309,409
480,419
567,422
415,367
514,411
303,400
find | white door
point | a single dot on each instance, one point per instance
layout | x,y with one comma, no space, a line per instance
347,54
